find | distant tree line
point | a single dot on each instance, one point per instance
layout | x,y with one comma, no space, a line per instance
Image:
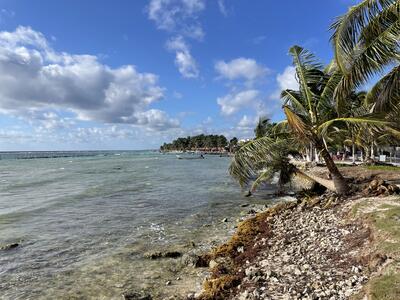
200,142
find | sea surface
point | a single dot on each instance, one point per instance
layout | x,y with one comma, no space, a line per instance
83,220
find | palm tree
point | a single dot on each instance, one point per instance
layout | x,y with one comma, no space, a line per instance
355,106
260,159
263,127
311,114
367,41
311,111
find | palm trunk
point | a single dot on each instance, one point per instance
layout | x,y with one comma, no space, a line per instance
322,181
312,157
340,183
367,153
353,149
344,153
316,156
372,151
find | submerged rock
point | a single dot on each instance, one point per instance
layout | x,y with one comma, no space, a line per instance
162,254
136,296
194,260
9,246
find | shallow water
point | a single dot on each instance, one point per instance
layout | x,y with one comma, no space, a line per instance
84,222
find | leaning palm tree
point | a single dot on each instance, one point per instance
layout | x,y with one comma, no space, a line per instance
259,160
263,127
367,42
311,111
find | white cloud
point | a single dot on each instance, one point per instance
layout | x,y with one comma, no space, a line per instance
233,102
185,62
241,68
180,18
48,120
285,80
177,16
222,8
34,78
246,122
156,119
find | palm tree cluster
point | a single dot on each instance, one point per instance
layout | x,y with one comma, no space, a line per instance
329,109
196,142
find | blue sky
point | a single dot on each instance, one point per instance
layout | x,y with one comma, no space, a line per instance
134,74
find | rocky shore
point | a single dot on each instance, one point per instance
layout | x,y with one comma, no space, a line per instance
310,254
313,247
316,248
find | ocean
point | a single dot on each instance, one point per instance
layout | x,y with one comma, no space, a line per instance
83,220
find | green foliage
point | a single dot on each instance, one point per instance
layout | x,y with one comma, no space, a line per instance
196,142
366,42
263,128
386,219
383,168
260,160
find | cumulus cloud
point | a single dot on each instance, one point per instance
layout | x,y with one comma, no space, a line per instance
285,80
157,120
246,122
35,78
101,134
240,68
180,18
233,102
177,16
185,62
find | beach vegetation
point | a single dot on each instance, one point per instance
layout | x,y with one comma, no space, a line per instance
192,143
330,112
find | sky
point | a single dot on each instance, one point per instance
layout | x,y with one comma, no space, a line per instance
102,75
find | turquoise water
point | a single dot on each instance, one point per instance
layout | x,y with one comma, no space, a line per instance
84,222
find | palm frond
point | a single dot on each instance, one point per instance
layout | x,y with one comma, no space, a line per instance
375,45
294,99
386,92
347,28
304,61
248,158
265,175
296,123
370,120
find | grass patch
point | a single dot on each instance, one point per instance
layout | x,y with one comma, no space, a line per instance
386,287
356,207
386,222
382,168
